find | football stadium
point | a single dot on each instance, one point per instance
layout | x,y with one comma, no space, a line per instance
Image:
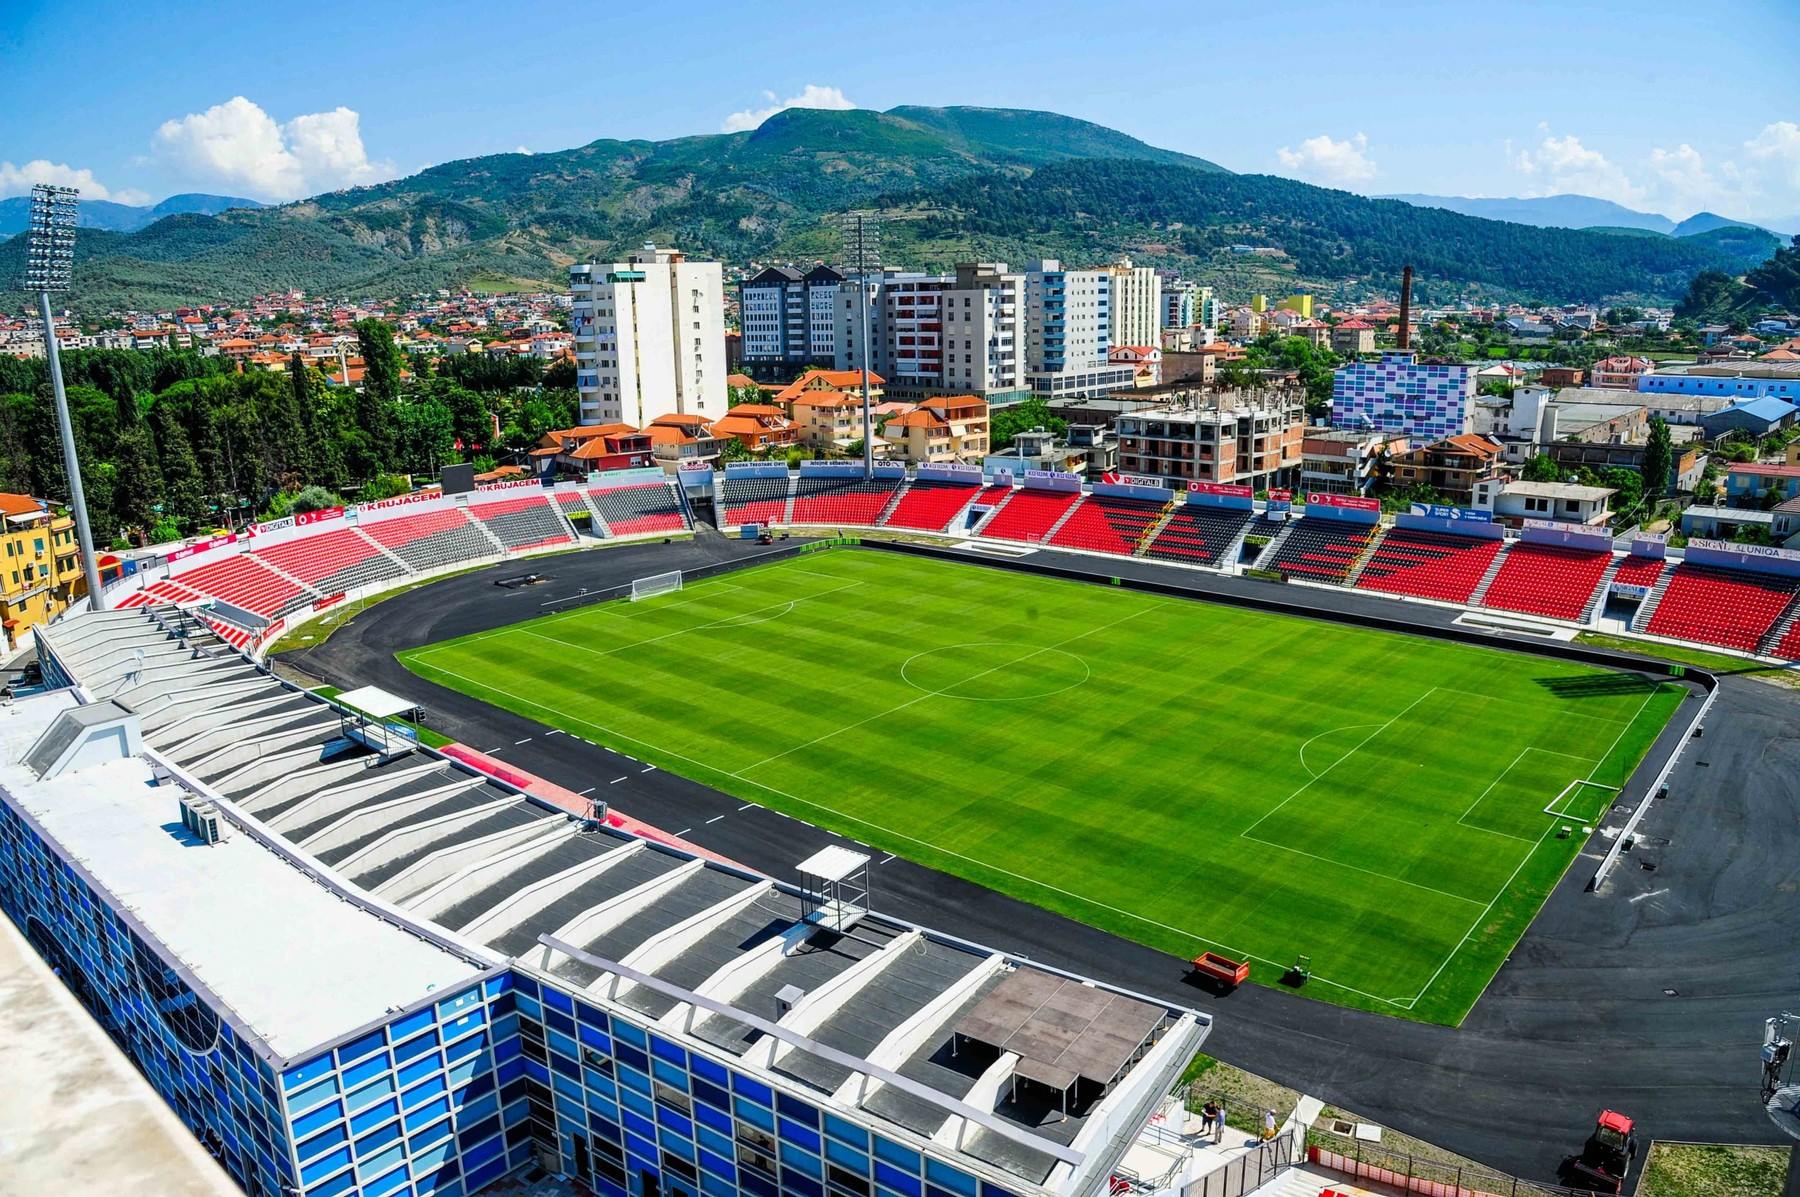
769,832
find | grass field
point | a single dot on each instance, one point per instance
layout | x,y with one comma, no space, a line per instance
1189,775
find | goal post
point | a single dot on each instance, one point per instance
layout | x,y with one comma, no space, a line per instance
655,584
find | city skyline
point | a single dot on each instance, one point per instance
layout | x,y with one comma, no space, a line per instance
1553,103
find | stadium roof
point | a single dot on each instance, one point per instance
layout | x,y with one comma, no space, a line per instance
446,869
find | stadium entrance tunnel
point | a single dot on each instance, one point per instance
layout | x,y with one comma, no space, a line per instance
995,671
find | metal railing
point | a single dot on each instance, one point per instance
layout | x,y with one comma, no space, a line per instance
1414,1174
1250,1171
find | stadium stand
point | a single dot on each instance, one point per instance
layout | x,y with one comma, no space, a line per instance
572,501
1788,645
643,507
435,539
526,523
1325,553
835,501
332,562
158,593
1639,571
1432,565
230,633
1197,535
1108,525
929,506
245,582
1546,579
1029,515
755,500
1727,607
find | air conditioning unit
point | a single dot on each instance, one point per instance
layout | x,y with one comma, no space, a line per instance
202,818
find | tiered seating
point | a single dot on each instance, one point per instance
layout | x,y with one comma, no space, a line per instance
1730,607
834,501
1197,535
332,562
572,501
246,582
230,633
525,523
1029,514
1639,571
1547,579
929,506
1321,550
160,593
756,500
1108,525
645,507
437,538
1433,565
1788,648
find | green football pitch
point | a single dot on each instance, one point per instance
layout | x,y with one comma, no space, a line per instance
1189,775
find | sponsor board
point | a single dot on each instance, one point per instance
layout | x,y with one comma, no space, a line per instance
1220,488
422,496
1342,502
1442,511
200,546
1120,478
510,484
330,600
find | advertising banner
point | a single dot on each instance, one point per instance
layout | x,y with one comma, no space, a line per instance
1218,494
950,472
200,546
1052,480
831,469
756,469
1441,511
1573,536
1752,558
1126,490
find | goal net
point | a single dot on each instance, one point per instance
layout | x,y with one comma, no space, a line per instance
655,584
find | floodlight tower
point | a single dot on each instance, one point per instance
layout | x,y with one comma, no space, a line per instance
862,256
49,258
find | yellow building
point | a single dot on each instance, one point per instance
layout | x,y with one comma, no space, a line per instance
943,428
40,566
1259,303
1302,304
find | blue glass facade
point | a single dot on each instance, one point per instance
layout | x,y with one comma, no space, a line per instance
456,1092
1396,394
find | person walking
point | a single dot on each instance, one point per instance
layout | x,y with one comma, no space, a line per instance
1268,1131
1219,1125
1209,1115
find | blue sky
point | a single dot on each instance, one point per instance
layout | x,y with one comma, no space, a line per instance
1662,106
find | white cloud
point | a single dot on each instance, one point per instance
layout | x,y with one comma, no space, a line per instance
17,180
1763,181
1778,145
1324,160
1565,165
237,144
811,96
523,150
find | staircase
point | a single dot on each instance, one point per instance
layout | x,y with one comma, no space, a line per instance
485,530
1362,558
1766,646
1479,594
313,591
1647,608
893,502
1228,559
1154,529
597,522
1597,600
1274,545
1062,519
993,511
385,551
787,504
563,516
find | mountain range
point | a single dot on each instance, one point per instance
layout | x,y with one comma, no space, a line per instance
123,218
1586,212
954,184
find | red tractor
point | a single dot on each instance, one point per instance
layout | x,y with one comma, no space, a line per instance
1605,1158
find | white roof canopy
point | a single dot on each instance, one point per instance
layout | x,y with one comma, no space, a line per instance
833,863
375,702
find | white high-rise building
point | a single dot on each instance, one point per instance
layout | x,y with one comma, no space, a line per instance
649,337
1134,306
788,320
1068,332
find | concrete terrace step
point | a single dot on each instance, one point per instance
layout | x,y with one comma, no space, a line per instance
1363,558
1156,528
1477,595
1647,609
1597,600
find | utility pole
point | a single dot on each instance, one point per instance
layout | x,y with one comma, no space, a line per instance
49,260
862,254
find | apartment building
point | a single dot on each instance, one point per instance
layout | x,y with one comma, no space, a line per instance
649,337
1451,467
1353,337
945,428
1238,437
789,320
1397,393
959,333
1346,461
40,565
1069,331
1134,304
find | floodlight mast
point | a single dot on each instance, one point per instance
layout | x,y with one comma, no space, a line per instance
49,260
862,255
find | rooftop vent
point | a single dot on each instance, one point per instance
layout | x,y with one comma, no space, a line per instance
82,736
201,817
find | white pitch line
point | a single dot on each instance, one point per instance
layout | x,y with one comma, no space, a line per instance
615,781
714,819
526,740
886,858
747,806
683,832
1653,893
646,768
586,792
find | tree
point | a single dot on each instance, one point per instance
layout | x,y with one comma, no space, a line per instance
1659,458
138,486
733,450
1541,467
384,486
1004,423
184,493
382,364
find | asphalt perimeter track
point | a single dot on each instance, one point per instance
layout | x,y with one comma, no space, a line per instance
1647,997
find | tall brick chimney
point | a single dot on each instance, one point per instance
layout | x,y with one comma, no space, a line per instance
1405,341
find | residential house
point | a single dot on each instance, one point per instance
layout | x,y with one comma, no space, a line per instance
1619,373
590,448
1451,466
1513,502
1353,337
681,438
756,426
941,428
40,565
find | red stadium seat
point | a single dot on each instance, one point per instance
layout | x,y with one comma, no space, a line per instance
1102,524
1197,535
1544,579
1728,607
1433,565
930,506
837,501
640,508
1322,550
247,583
1029,514
756,500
